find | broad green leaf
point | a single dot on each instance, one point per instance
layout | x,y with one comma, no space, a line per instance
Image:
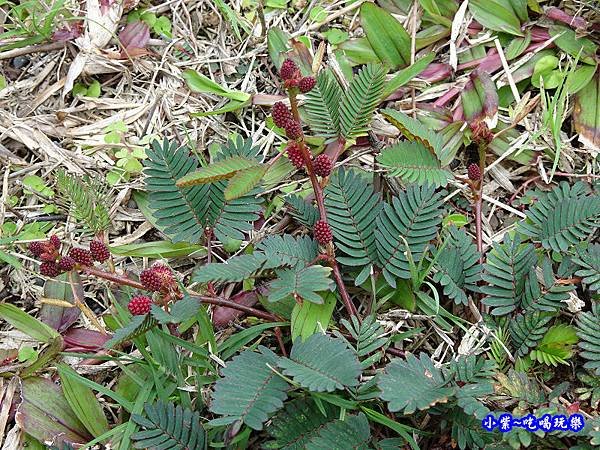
499,15
45,414
586,113
322,364
359,51
220,170
277,43
405,75
568,41
27,324
309,318
580,77
159,249
230,106
387,36
201,83
83,401
244,181
10,259
556,346
301,284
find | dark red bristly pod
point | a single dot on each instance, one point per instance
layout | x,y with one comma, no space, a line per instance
288,70
293,130
139,305
474,172
82,256
322,232
306,84
323,165
99,251
281,114
294,154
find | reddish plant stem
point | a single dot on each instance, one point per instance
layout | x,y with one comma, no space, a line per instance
124,281
318,191
279,337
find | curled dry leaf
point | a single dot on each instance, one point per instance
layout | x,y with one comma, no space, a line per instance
68,32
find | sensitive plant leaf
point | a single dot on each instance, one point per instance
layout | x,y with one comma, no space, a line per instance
27,324
169,426
369,338
202,84
588,330
182,310
500,15
220,170
309,318
589,261
360,100
322,106
387,36
423,385
322,364
352,208
287,250
237,268
301,210
414,163
301,284
159,250
526,330
479,97
45,414
60,288
83,401
249,390
586,113
352,432
136,327
301,419
244,181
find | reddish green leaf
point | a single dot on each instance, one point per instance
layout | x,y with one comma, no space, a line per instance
479,97
387,36
586,113
59,288
500,15
45,414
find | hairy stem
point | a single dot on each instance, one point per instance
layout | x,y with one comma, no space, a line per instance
318,190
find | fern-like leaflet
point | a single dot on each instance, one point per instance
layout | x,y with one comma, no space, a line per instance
407,225
457,265
588,330
169,426
352,208
183,213
526,330
414,163
507,265
589,261
562,217
322,106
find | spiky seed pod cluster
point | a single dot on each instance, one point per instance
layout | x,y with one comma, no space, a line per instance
290,74
99,251
139,305
322,232
294,154
323,165
158,278
474,172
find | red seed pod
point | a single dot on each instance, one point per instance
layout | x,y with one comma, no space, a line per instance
288,70
99,250
322,232
49,269
295,154
82,256
139,305
293,130
323,165
151,280
281,114
306,84
36,248
55,241
66,264
474,172
48,257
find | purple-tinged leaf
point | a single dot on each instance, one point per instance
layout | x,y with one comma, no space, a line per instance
586,113
68,32
479,97
59,288
45,414
539,34
223,316
560,16
80,339
436,72
135,35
